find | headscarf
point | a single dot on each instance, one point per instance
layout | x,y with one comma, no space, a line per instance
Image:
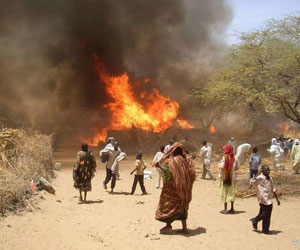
171,150
228,166
297,142
274,141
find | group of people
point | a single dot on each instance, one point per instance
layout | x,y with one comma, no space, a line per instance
281,146
230,162
176,169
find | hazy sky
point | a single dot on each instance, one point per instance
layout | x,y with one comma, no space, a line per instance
251,14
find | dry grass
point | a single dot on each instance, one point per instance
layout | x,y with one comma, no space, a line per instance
25,155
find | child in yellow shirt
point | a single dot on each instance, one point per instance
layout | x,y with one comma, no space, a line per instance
140,165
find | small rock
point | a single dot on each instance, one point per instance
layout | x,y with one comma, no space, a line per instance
147,235
46,185
29,207
57,166
157,238
58,201
8,225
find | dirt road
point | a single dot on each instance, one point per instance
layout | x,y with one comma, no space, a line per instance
121,221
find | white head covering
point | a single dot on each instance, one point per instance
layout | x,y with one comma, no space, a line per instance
274,141
297,141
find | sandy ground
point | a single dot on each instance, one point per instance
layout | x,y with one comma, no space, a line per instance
121,221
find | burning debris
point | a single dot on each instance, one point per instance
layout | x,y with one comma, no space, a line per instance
212,129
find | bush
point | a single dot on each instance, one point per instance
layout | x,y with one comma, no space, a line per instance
25,155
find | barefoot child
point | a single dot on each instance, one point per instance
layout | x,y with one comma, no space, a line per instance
265,192
140,165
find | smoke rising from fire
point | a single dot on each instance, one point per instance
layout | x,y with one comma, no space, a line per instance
46,65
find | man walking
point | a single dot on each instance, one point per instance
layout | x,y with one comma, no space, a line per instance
205,155
265,193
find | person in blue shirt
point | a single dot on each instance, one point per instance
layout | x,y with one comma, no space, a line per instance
254,162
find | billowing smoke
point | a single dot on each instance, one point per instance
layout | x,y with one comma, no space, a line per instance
46,66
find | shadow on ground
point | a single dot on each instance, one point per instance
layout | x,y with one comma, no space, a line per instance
91,202
271,232
235,212
119,193
192,232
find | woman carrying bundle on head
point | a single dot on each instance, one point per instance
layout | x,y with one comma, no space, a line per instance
176,194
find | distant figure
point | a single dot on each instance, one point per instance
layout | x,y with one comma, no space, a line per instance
176,194
265,192
167,147
228,166
295,156
158,156
140,166
83,171
242,152
205,155
276,152
232,142
290,144
254,162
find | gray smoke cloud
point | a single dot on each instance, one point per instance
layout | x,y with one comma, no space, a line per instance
46,66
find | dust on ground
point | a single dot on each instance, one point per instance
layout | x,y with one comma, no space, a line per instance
122,221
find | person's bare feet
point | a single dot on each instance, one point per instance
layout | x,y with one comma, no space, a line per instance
166,229
231,211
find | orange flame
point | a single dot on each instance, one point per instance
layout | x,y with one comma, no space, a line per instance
126,112
284,127
212,129
184,124
287,131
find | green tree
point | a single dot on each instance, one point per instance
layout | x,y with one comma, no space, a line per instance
259,75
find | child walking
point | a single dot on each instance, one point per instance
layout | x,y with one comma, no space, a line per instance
140,165
265,192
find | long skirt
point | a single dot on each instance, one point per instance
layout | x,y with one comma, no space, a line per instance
170,207
227,192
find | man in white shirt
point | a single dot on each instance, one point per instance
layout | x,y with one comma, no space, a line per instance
276,152
115,155
158,156
205,155
295,156
265,193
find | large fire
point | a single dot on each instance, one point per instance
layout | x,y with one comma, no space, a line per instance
157,115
